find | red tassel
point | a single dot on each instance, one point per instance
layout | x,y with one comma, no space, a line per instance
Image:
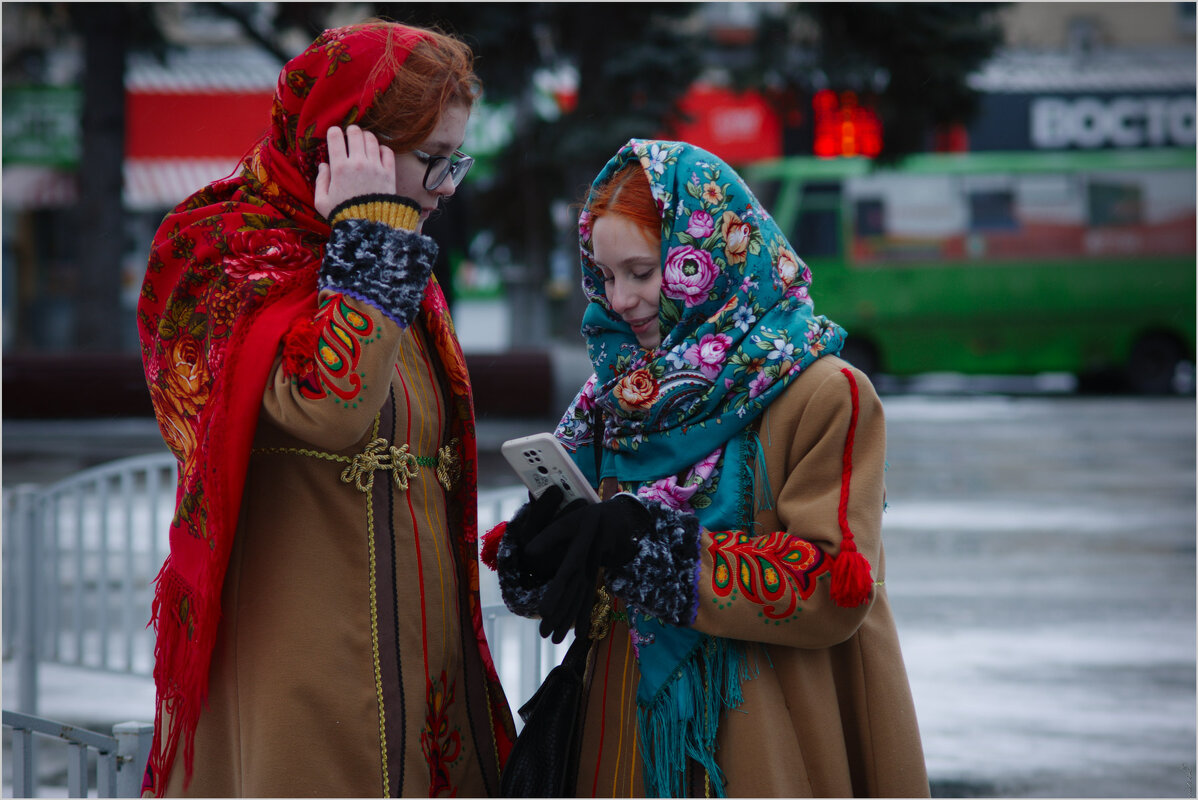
490,548
851,578
299,348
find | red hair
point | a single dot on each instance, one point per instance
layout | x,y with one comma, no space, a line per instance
627,193
438,72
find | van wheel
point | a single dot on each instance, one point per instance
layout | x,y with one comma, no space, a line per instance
1152,367
862,354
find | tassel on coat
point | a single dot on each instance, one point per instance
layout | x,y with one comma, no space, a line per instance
489,554
299,348
851,577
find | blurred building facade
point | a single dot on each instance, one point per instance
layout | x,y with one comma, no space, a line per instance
1088,76
188,120
1070,76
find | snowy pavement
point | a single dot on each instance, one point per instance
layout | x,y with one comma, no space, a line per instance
1040,557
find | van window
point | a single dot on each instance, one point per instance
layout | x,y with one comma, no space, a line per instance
817,231
992,210
766,192
869,217
1112,204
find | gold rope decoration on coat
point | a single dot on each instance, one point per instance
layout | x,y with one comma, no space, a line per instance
379,454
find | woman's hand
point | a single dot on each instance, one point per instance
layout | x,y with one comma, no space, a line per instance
573,547
358,165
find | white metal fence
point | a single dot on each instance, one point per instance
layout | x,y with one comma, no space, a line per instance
80,557
119,759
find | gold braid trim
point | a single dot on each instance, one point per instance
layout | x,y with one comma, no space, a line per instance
601,614
389,212
374,640
381,455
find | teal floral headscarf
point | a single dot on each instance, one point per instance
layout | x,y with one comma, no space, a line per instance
737,321
738,327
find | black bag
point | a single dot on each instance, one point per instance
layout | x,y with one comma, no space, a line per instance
544,760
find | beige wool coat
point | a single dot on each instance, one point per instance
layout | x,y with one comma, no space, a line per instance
828,711
347,664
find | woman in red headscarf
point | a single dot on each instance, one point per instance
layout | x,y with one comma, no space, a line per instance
318,620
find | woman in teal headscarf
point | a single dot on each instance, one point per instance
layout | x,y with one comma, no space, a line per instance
745,641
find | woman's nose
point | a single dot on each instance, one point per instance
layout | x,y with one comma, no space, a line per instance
621,299
447,188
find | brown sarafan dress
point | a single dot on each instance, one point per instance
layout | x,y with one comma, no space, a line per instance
827,711
346,662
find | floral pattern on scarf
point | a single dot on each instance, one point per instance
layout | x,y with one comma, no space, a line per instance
736,316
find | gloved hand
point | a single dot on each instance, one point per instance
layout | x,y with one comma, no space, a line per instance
572,547
529,521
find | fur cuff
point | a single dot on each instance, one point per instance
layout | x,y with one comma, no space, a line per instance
660,579
377,264
521,591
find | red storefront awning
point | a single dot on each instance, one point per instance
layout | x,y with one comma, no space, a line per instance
206,124
160,183
738,127
178,141
189,121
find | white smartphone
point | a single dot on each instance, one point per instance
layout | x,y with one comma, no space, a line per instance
541,461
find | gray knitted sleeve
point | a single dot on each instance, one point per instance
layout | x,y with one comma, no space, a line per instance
661,579
384,266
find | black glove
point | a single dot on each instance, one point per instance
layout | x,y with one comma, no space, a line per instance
573,547
529,521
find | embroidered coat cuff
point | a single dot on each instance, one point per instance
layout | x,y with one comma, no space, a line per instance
379,264
660,580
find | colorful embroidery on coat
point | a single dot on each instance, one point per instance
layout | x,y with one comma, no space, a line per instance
774,571
441,745
342,332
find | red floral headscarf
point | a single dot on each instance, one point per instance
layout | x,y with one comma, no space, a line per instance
231,282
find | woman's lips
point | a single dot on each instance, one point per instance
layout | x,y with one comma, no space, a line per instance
641,325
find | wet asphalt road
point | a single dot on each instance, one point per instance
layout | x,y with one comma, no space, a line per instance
1041,563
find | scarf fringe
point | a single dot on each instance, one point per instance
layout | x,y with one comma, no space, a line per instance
181,661
682,721
755,465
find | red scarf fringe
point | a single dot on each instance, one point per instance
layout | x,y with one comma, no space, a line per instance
181,661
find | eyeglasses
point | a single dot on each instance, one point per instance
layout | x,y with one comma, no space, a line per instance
441,167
